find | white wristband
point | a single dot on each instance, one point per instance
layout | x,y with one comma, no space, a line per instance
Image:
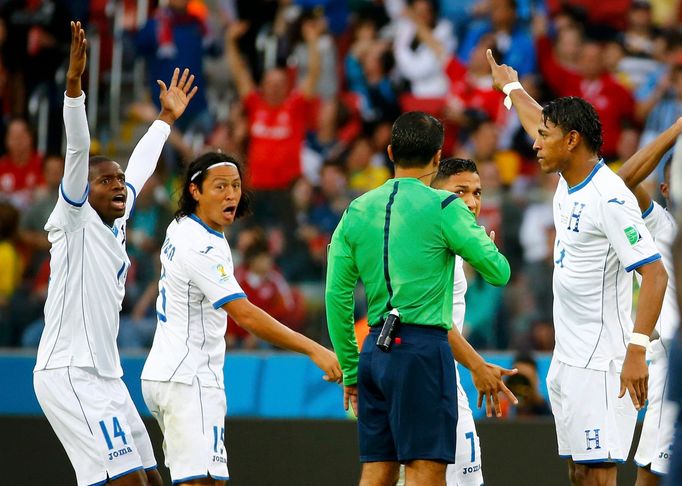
507,89
639,339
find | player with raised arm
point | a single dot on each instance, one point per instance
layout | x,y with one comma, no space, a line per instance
600,239
655,444
77,377
460,176
182,379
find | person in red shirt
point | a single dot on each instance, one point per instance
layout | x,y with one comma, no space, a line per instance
614,103
278,118
266,288
21,166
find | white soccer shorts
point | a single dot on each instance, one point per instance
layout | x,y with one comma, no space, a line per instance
466,471
592,423
96,422
655,444
192,419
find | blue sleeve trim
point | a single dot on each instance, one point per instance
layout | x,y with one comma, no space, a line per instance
648,210
138,468
132,188
229,298
152,468
640,263
77,204
101,483
448,200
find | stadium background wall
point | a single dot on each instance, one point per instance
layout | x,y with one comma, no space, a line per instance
276,452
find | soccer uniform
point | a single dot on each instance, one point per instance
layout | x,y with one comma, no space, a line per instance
655,443
416,379
466,471
77,377
182,379
600,240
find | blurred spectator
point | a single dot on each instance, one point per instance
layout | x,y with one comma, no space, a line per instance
609,12
35,47
332,200
20,167
278,120
32,232
471,87
266,288
363,175
176,37
368,66
664,113
328,83
422,46
525,386
613,102
512,38
11,265
537,239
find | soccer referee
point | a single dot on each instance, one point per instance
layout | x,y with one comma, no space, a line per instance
400,240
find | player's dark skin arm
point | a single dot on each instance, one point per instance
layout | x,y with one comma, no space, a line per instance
644,161
487,377
634,376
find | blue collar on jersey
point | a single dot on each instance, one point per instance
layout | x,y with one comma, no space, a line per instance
206,227
589,177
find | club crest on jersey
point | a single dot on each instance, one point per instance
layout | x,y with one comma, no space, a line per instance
222,274
632,235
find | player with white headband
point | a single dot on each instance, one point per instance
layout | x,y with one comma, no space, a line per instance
182,380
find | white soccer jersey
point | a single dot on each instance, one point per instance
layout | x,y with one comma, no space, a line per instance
600,239
197,278
663,229
459,288
89,264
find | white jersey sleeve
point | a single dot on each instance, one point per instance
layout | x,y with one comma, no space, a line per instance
143,160
459,289
73,190
212,273
623,226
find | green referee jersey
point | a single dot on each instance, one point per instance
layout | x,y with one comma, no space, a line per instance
400,239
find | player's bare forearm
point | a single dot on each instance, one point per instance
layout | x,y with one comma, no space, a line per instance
651,292
238,69
644,161
464,352
77,61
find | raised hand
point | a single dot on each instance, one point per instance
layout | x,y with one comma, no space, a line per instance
502,74
175,98
236,29
77,60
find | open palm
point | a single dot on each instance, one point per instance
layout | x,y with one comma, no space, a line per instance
175,98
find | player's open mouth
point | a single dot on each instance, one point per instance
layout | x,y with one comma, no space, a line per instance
230,210
119,201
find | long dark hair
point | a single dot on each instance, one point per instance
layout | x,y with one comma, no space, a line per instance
188,205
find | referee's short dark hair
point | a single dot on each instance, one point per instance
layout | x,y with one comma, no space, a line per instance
573,113
415,139
451,166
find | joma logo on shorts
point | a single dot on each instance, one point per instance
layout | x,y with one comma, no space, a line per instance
594,439
219,459
471,469
120,452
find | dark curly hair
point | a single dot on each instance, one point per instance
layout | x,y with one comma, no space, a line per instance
188,205
573,113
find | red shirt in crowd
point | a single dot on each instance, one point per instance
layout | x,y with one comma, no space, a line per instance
613,102
276,135
20,180
472,96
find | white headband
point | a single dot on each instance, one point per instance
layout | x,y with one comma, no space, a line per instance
218,164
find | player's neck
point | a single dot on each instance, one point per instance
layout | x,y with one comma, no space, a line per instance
578,169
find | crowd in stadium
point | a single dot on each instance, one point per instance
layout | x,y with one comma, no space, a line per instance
305,92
